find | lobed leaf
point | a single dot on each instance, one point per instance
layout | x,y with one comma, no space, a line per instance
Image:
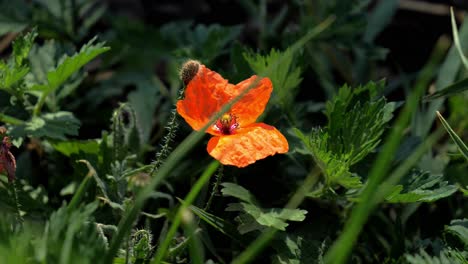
57,125
70,65
421,187
285,79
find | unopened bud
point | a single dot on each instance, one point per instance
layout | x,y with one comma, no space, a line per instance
189,70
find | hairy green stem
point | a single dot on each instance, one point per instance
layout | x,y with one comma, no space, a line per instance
19,218
219,177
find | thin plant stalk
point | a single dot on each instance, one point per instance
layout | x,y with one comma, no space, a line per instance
219,177
209,171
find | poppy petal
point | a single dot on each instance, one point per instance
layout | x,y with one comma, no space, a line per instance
204,96
253,103
248,145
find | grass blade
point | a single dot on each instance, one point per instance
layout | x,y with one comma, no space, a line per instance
455,88
209,171
461,146
456,39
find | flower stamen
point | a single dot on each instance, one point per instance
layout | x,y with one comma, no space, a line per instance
227,124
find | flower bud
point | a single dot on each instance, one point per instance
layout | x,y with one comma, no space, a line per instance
189,70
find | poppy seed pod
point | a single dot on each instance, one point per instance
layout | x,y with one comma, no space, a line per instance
189,70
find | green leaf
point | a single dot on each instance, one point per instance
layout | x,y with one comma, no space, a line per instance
356,122
51,125
446,256
201,42
70,65
285,79
459,228
357,132
15,70
461,146
421,187
272,217
234,190
298,248
144,100
450,90
69,148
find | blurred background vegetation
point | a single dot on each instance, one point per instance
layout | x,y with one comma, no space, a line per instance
117,113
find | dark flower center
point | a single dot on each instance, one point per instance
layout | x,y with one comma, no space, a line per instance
227,124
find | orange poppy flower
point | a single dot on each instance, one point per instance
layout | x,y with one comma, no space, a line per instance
237,140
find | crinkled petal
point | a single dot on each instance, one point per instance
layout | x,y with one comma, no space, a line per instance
204,96
248,145
253,103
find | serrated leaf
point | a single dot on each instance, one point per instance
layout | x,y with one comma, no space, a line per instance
446,256
459,228
51,125
421,187
204,42
356,122
15,70
272,217
335,168
70,65
234,190
22,46
285,79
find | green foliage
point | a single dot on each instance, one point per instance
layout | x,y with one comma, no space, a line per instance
285,79
444,257
421,187
15,69
297,249
201,42
67,237
69,65
350,137
51,125
459,228
253,217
